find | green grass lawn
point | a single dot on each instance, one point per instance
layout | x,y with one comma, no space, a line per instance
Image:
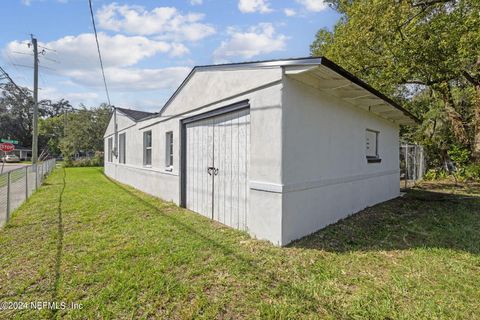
122,254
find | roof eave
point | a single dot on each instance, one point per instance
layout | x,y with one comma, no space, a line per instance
331,65
308,61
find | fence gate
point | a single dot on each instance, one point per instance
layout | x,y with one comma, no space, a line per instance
412,163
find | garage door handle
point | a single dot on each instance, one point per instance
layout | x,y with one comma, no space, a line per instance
213,170
210,169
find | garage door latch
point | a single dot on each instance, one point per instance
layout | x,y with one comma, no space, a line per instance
213,170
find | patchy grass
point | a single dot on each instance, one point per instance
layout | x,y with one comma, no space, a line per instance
122,254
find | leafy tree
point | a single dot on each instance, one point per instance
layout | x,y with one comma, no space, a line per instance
424,53
16,114
51,130
83,131
67,133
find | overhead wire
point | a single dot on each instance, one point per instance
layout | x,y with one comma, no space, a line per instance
7,76
99,53
12,62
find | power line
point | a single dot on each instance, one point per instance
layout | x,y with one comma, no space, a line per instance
30,67
53,50
12,62
49,59
4,75
25,53
99,54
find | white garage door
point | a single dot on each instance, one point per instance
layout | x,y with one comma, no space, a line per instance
217,167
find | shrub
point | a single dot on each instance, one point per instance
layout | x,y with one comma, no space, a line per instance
96,161
435,174
460,156
472,172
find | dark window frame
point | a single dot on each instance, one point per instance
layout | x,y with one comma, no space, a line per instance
376,158
110,149
169,150
147,150
122,146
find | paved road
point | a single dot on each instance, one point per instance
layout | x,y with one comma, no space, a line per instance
11,166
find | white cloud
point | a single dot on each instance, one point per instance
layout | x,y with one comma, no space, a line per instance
259,39
289,12
80,52
249,6
132,79
88,98
165,23
29,2
314,5
196,2
79,65
86,86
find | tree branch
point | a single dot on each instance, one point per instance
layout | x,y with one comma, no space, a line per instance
474,80
429,3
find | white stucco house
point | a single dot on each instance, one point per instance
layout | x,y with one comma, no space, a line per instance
277,148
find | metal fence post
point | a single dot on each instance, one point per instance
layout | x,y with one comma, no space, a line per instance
406,166
415,164
8,196
422,164
26,182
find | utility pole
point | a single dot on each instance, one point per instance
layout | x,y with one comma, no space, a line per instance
35,105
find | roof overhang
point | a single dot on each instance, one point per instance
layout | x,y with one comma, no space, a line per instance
332,79
322,74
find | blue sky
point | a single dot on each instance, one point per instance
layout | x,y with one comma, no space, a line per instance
148,46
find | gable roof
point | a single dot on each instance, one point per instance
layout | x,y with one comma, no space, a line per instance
135,115
295,62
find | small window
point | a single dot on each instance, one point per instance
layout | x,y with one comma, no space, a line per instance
121,148
372,146
147,148
109,151
169,150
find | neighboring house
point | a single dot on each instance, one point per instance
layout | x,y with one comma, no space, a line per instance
277,148
23,153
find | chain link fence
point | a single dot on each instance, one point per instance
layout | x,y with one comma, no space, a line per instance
412,164
19,184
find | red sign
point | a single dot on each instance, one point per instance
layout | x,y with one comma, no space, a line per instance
7,147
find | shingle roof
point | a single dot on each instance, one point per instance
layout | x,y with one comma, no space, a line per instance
135,115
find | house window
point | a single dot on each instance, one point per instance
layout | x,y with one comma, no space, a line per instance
121,148
109,151
147,148
169,150
372,146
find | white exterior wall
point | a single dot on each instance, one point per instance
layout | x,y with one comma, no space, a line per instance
204,92
308,166
123,122
154,180
326,176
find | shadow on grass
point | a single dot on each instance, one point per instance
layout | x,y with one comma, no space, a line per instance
269,277
59,253
450,186
420,219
